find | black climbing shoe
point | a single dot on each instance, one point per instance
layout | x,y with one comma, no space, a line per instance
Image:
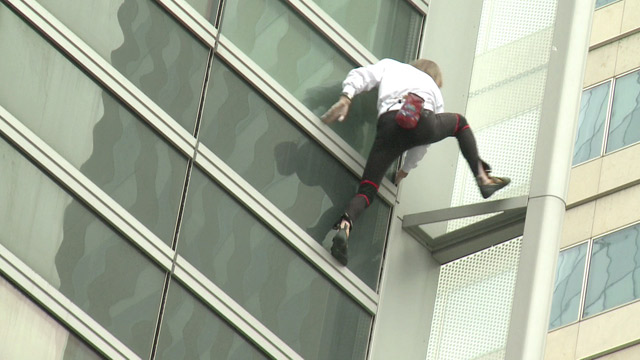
488,189
339,249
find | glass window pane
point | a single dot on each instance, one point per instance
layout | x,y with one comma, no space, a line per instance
614,272
89,127
567,290
601,3
77,253
190,330
289,168
392,29
207,8
27,332
302,61
269,279
625,113
146,45
593,114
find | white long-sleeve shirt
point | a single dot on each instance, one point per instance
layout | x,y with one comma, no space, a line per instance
394,80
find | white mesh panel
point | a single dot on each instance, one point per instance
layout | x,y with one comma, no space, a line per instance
505,96
473,305
515,159
504,22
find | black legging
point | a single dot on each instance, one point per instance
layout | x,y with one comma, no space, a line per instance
392,140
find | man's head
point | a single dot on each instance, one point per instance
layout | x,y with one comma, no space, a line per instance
431,68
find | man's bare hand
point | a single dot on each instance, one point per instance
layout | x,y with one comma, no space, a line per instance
338,111
400,175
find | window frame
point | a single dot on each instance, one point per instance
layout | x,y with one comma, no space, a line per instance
607,120
585,279
583,290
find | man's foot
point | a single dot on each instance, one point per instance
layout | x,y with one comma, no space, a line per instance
340,247
494,184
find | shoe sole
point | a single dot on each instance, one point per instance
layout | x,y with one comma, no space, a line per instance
339,248
488,190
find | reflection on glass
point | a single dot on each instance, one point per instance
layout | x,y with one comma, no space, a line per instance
89,128
591,120
269,279
568,286
392,28
625,113
614,271
146,45
290,169
77,253
206,8
190,330
27,332
302,61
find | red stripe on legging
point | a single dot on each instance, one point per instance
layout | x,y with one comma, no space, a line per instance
464,128
365,197
369,182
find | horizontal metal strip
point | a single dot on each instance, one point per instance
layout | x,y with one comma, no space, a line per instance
104,72
292,233
614,38
458,212
479,236
192,20
420,5
217,299
48,297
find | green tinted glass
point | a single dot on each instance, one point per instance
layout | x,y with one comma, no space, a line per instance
291,51
146,45
288,167
567,290
77,253
388,28
624,127
614,271
270,280
190,330
594,105
89,127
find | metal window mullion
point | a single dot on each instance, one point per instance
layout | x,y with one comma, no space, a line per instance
106,74
84,189
335,33
300,114
421,5
235,314
191,19
583,291
65,311
607,120
289,231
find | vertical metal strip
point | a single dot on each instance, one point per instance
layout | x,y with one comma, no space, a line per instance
607,120
585,277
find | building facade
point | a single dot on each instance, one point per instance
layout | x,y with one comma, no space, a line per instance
168,189
595,308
